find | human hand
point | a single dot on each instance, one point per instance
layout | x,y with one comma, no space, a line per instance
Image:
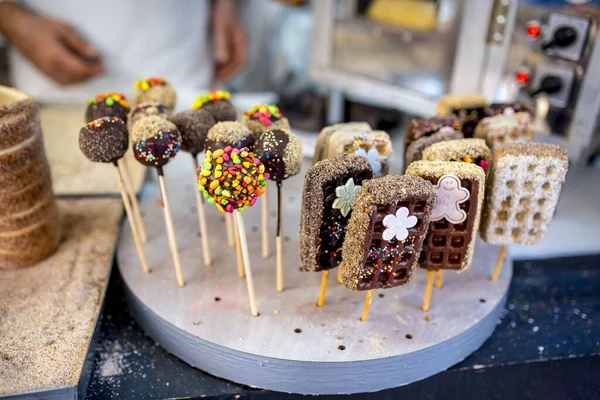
52,46
229,39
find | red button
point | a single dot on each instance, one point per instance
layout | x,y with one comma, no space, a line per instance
522,77
533,29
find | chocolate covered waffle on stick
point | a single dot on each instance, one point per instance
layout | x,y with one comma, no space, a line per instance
509,126
328,197
322,145
468,108
522,194
375,146
423,132
473,151
450,241
385,233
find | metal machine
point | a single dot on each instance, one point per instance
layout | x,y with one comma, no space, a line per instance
546,51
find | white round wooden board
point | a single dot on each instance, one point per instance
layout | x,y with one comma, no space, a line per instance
293,346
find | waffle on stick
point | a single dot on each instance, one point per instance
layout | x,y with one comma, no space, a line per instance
327,202
375,146
386,232
450,241
523,192
509,126
323,138
414,151
469,109
473,151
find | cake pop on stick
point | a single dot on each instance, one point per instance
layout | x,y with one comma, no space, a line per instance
260,119
328,197
193,126
232,180
112,104
236,135
321,147
450,240
280,151
154,90
217,103
385,234
105,140
156,142
522,194
143,110
107,104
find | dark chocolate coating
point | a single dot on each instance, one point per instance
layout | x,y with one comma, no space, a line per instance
469,118
221,110
271,154
248,142
159,149
101,109
422,127
498,108
104,139
193,126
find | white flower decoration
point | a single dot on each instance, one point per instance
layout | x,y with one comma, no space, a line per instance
345,196
398,225
372,156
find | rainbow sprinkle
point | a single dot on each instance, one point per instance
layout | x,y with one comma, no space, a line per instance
99,122
210,97
163,145
266,114
231,179
146,84
110,98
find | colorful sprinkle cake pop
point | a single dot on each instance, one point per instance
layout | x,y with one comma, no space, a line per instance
145,110
217,103
156,141
262,118
104,139
193,126
229,133
281,153
154,90
107,105
232,179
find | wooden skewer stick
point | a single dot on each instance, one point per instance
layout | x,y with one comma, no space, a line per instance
279,241
367,306
201,216
230,230
499,262
170,229
137,215
339,274
266,251
321,300
247,267
238,251
428,288
134,227
439,279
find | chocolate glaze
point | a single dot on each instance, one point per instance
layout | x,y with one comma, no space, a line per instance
333,226
387,264
101,109
422,127
158,150
106,142
498,108
248,142
446,244
221,110
271,153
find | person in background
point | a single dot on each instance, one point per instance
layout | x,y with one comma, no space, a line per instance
69,50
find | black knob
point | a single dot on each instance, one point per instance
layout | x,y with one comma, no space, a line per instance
563,37
549,84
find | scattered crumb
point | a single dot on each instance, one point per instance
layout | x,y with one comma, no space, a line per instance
427,318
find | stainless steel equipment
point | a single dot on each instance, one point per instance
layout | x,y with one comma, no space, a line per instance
503,49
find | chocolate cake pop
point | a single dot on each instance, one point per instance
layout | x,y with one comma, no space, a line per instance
217,103
145,110
281,153
229,133
154,90
193,126
104,139
107,105
262,118
232,179
156,141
